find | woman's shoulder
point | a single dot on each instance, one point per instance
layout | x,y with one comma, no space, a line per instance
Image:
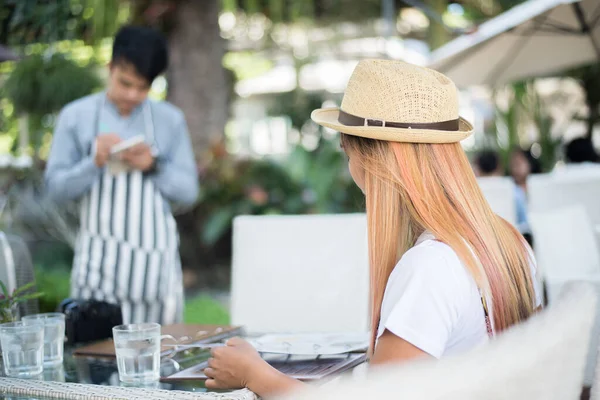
430,267
430,257
436,264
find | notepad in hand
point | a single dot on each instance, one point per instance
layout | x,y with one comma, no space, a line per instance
127,144
115,165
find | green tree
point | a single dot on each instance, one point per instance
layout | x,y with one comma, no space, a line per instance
42,84
589,78
198,83
24,22
438,34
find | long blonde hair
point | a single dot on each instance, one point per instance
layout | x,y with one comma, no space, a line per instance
410,188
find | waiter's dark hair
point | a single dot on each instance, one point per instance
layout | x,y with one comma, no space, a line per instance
144,48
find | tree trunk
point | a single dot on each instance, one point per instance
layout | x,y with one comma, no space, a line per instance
589,78
23,134
592,119
198,83
437,34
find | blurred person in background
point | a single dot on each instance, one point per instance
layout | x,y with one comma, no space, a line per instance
126,251
519,167
487,163
581,151
580,157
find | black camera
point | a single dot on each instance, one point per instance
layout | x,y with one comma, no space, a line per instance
89,320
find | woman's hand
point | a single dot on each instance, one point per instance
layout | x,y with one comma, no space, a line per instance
238,365
235,365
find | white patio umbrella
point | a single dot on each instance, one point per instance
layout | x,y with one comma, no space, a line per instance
536,38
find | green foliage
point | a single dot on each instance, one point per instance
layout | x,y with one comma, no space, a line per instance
9,301
296,105
27,21
544,122
246,65
41,21
9,129
52,255
305,182
589,78
52,262
232,187
525,106
276,10
302,10
54,283
106,17
41,85
509,120
204,310
323,173
18,295
478,10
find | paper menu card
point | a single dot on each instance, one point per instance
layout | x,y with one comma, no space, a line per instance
184,334
304,368
311,343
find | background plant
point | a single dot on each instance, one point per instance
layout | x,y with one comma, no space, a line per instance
8,301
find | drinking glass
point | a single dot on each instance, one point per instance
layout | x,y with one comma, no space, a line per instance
55,373
22,349
137,347
54,335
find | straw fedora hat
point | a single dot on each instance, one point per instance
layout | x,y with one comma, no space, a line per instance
399,102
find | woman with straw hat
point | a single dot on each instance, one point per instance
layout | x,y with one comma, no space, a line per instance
446,272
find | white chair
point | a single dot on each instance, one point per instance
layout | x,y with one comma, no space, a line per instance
565,246
566,250
500,194
586,169
548,192
16,270
542,358
300,273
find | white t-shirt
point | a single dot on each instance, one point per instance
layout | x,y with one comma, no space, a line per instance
432,301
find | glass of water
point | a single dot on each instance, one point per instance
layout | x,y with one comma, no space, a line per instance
54,335
22,349
55,373
137,347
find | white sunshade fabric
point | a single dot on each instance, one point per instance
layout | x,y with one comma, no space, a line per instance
536,38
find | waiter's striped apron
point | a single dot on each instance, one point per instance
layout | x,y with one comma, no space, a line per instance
127,247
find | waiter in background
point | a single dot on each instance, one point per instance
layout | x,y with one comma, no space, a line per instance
127,249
